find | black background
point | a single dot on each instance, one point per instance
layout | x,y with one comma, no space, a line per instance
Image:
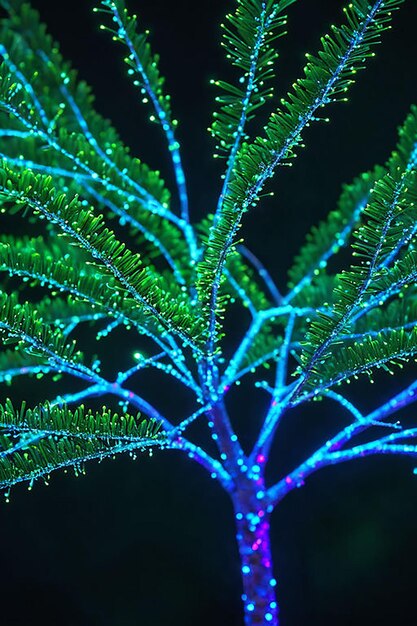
151,542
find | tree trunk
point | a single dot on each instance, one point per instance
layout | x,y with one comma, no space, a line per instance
253,538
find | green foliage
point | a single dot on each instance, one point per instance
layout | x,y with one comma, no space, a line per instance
326,79
240,279
142,63
80,423
387,225
55,265
65,169
22,323
43,94
88,230
248,37
350,358
77,436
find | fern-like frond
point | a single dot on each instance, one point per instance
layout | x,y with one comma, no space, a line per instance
50,109
141,61
326,239
20,323
399,313
374,240
63,100
349,359
80,422
387,226
172,309
327,77
38,454
144,68
248,37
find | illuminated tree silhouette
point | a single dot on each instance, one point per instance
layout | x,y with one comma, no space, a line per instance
65,169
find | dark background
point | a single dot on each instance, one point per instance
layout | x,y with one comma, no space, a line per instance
151,542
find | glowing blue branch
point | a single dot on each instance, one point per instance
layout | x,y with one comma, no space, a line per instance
375,333
255,327
263,273
20,161
353,410
346,404
224,437
26,439
269,356
167,125
262,33
175,439
246,301
282,367
185,423
179,361
6,376
375,447
277,408
147,201
71,398
321,457
214,467
25,84
126,218
109,328
280,395
123,376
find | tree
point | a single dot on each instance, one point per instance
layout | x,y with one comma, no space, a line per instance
65,165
